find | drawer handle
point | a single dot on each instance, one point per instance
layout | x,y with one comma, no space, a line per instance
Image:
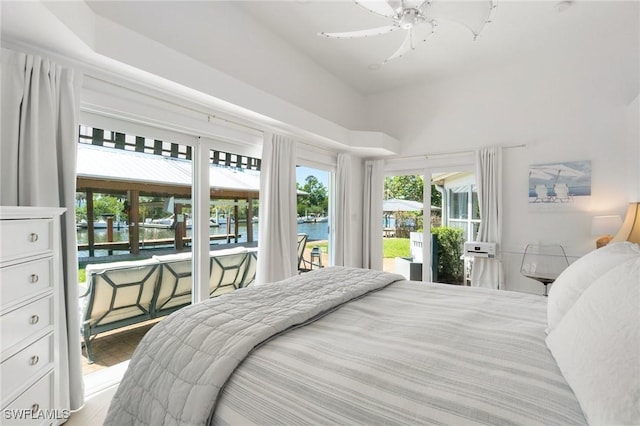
34,278
34,360
33,237
35,408
34,319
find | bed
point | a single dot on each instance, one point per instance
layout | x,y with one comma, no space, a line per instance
355,346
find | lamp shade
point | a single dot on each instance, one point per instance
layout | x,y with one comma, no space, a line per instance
605,225
630,230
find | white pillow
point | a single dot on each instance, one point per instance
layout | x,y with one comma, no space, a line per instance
597,347
574,280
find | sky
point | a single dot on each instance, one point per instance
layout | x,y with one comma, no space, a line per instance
302,173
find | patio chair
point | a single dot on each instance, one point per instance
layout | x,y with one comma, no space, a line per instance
303,265
250,271
118,294
174,288
228,269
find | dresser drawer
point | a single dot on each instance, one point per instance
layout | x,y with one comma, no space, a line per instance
33,407
24,366
25,237
25,322
25,280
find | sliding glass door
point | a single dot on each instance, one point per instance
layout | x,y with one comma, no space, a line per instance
403,225
314,215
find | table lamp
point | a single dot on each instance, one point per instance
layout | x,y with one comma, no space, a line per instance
630,230
605,227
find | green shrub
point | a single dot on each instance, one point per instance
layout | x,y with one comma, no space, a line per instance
450,244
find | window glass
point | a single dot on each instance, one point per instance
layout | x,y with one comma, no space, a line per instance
475,206
313,217
459,199
476,226
458,224
134,203
403,223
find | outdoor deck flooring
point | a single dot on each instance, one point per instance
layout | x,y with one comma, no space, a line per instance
115,346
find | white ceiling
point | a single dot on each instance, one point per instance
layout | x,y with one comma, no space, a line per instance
227,36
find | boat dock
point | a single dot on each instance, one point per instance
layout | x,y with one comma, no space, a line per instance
125,245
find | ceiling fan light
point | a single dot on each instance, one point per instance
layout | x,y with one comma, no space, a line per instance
409,18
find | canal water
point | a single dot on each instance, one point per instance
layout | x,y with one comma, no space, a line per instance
316,231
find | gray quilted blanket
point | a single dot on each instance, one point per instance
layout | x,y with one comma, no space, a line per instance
180,366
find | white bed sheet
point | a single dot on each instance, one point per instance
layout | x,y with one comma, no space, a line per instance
412,353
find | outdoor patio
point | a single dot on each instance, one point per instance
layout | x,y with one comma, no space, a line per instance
115,346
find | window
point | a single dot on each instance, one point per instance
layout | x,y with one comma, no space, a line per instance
134,203
464,210
234,182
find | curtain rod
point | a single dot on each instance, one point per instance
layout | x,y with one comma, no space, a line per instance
427,156
440,154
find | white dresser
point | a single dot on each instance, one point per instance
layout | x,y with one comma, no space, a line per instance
29,310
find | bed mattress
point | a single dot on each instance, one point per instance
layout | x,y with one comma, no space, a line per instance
349,346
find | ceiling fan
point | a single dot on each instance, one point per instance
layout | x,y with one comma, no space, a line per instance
420,18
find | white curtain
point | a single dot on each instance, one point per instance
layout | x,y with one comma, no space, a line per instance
488,272
343,247
277,242
372,214
39,137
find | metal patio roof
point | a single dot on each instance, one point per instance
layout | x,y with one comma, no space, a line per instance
104,168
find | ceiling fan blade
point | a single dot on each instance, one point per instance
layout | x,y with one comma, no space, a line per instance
472,14
362,33
405,47
421,32
416,35
378,7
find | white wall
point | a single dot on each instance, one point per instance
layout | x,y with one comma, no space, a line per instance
577,107
633,143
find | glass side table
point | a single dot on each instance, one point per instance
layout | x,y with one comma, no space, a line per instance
543,263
